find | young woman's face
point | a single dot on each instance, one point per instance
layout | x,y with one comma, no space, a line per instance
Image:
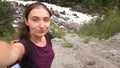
38,21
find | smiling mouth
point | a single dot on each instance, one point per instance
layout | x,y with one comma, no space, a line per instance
41,31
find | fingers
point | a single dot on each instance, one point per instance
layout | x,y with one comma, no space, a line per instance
12,42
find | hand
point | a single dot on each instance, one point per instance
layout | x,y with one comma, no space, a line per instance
13,41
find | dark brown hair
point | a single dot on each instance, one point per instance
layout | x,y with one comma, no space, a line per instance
23,29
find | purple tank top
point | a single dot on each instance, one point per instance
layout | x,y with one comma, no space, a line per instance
43,56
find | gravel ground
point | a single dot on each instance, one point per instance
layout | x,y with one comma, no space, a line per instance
94,54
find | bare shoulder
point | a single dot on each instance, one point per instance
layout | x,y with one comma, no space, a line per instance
18,49
14,52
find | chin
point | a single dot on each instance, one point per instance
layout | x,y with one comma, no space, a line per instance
41,35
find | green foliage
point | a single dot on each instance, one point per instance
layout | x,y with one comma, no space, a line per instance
56,31
103,27
70,2
92,62
59,33
67,44
7,36
100,6
86,40
6,13
108,56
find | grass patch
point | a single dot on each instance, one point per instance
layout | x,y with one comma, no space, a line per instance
108,56
92,62
86,40
103,27
67,44
59,33
56,31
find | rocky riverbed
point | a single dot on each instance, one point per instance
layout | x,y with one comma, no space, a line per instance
63,16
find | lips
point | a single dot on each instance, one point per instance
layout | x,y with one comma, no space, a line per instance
41,31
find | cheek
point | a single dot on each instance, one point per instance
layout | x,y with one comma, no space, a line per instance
32,28
32,25
48,25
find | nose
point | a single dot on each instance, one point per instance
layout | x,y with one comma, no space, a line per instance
41,24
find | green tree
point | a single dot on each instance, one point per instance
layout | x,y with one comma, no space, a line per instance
100,6
6,17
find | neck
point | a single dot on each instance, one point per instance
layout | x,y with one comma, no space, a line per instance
41,41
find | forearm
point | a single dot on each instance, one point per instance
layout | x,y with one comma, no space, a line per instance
10,54
5,51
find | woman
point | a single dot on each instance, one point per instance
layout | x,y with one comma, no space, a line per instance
34,48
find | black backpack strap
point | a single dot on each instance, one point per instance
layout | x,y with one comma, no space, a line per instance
28,63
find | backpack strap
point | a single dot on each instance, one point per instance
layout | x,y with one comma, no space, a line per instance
28,63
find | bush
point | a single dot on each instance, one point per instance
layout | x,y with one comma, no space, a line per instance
67,44
56,31
7,36
6,13
92,62
6,29
100,6
104,26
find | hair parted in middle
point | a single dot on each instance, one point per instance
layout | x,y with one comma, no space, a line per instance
23,29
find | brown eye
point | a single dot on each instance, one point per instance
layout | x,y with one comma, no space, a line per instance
46,19
35,20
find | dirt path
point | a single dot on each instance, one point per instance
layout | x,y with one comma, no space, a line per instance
84,55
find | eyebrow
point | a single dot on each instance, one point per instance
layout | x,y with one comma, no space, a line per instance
38,17
34,17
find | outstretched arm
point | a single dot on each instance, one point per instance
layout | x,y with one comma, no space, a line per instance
10,54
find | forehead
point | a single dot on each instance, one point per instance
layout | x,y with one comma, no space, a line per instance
39,12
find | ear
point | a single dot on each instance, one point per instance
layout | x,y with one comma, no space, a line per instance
26,22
